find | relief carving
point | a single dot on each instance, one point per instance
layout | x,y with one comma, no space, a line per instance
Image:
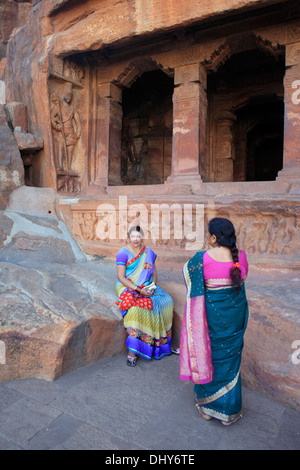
73,71
265,234
258,234
66,125
87,225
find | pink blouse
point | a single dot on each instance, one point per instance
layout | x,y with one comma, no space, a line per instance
217,273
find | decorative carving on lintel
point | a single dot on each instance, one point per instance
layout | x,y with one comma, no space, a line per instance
241,43
136,68
67,70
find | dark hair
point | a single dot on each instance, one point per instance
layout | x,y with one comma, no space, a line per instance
224,231
135,228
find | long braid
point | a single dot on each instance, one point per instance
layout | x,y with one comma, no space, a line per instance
224,231
235,272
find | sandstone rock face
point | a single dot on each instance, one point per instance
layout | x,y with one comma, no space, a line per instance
271,363
18,115
5,227
12,15
11,166
57,310
55,319
38,236
27,141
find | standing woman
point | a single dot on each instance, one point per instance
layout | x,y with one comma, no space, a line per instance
147,310
214,323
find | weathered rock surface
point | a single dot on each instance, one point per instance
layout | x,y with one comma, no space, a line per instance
55,319
271,362
36,238
12,15
54,313
11,165
28,142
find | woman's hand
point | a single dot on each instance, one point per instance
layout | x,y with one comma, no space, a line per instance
146,292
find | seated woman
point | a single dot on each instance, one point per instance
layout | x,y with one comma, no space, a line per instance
147,310
214,324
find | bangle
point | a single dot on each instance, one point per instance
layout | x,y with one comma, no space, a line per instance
138,289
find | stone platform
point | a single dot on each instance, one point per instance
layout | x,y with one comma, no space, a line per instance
110,407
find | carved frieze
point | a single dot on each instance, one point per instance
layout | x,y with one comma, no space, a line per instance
263,228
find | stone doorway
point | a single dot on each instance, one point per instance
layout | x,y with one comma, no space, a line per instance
246,117
146,145
265,149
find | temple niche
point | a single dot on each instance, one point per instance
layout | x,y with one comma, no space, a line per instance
67,97
245,126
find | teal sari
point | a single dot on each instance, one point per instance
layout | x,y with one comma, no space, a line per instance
226,313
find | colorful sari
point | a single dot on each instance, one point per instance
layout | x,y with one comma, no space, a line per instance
212,339
147,320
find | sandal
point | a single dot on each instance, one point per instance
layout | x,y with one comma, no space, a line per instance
175,351
131,361
204,416
228,423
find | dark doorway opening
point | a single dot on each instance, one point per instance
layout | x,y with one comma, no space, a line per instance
265,151
245,98
261,122
146,146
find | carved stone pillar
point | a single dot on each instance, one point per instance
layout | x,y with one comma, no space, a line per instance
224,148
189,124
291,152
108,140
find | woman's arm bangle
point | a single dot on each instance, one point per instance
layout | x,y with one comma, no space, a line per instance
138,289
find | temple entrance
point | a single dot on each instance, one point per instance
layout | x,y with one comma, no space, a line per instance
258,139
245,117
146,146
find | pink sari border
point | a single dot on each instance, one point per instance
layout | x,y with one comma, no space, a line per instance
195,348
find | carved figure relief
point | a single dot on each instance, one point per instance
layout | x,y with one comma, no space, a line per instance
257,233
66,125
134,155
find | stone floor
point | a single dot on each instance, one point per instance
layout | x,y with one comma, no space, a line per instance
109,406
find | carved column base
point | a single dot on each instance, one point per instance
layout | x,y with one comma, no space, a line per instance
291,174
96,188
183,184
183,179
